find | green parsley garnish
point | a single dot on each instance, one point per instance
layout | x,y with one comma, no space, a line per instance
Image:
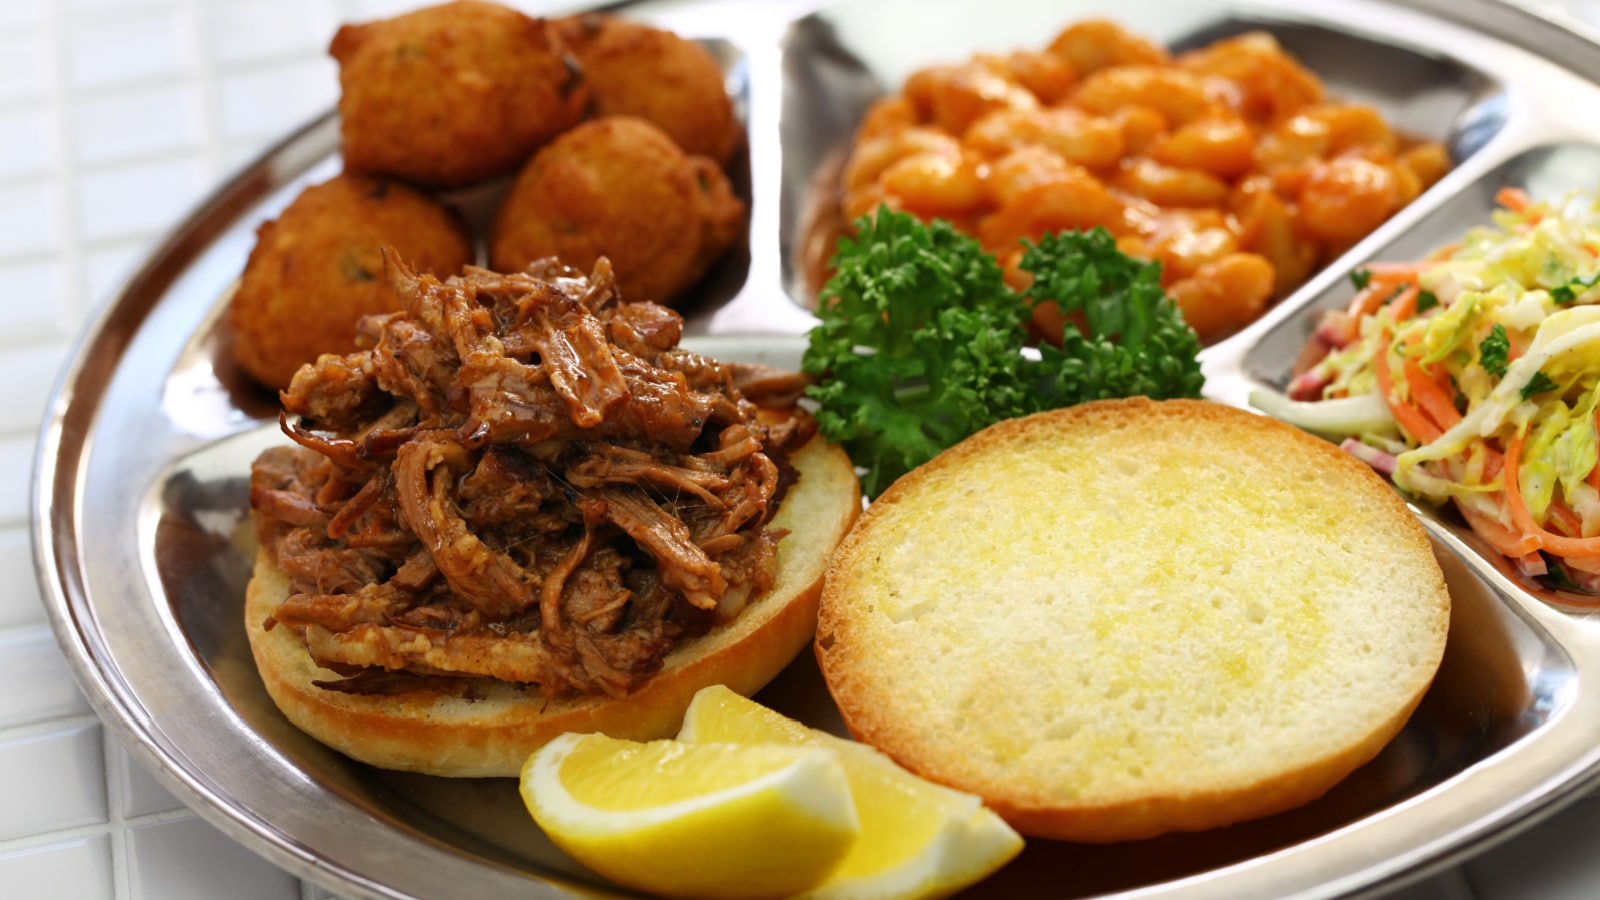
1538,384
1360,277
1494,352
1566,293
1426,300
920,340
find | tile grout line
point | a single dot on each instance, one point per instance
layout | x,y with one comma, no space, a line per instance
76,311
264,63
115,820
84,832
206,75
71,251
38,727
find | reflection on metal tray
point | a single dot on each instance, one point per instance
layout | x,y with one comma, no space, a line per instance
141,488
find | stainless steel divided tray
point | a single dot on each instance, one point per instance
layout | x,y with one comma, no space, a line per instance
141,482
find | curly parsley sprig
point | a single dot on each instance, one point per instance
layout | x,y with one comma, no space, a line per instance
920,341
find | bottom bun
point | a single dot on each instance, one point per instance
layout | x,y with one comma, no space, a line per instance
492,735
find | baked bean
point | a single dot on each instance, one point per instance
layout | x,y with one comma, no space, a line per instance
1292,142
1227,164
1225,295
1096,43
1076,136
1075,202
1271,85
934,184
1170,186
1345,198
1353,126
1141,127
871,158
886,116
1048,76
1222,146
1023,168
1267,228
1429,161
865,202
1177,95
1186,240
954,97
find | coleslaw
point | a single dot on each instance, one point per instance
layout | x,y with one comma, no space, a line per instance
1473,377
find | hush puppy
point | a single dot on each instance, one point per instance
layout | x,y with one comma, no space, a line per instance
317,269
676,84
619,187
454,94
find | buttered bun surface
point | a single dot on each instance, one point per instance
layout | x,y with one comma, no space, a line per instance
1129,618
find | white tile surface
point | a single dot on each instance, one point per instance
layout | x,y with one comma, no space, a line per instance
28,145
19,590
30,217
106,267
140,199
137,791
136,44
28,374
190,860
57,780
38,682
69,870
16,455
271,101
38,292
16,15
244,31
25,65
129,124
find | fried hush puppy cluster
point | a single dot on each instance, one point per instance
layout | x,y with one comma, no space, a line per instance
617,133
318,268
451,95
1228,164
619,187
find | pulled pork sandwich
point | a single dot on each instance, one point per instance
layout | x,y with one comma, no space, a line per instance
523,510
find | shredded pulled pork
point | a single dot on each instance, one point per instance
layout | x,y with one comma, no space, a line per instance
520,478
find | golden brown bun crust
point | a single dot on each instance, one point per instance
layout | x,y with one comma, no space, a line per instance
493,736
1129,618
318,268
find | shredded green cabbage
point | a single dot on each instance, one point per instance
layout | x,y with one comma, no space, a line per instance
1512,346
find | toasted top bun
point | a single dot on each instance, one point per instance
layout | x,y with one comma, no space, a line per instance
1129,618
493,735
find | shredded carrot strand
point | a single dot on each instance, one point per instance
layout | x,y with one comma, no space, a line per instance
1405,305
1513,198
1560,545
1416,425
1501,538
1433,397
1565,516
1379,289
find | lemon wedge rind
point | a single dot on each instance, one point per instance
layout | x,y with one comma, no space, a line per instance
799,802
919,839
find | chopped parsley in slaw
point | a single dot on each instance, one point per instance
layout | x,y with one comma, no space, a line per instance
1473,377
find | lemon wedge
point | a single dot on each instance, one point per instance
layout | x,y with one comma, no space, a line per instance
703,820
918,839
